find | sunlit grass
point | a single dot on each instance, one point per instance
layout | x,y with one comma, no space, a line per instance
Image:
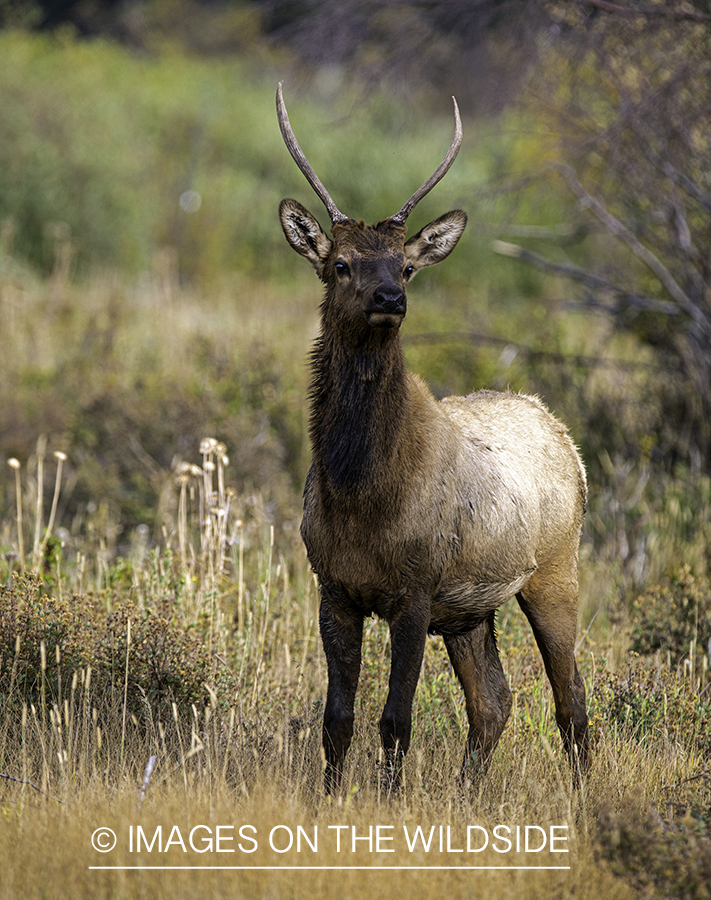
255,765
247,753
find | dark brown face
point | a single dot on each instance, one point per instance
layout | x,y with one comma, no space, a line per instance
367,272
366,267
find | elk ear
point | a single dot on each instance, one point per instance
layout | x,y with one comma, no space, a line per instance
436,240
304,233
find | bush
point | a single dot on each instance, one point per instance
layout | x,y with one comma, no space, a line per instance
44,641
652,704
671,615
123,154
658,858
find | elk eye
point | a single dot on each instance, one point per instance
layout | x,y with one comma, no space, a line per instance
342,268
408,271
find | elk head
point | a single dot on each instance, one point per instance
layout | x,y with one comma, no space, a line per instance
366,268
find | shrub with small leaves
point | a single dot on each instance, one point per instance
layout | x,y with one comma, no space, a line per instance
652,704
32,627
659,857
44,641
166,664
669,616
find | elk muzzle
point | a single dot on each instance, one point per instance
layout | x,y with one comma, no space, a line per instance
386,308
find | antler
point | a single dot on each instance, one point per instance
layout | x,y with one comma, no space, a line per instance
400,217
292,145
336,215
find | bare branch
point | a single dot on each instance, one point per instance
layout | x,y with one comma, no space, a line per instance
587,278
30,783
671,787
549,356
684,181
561,235
616,227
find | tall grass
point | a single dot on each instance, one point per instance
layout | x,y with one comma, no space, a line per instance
241,745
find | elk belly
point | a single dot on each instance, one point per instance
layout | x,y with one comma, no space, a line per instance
461,605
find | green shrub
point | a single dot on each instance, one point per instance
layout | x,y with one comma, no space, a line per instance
98,145
671,615
653,705
44,641
659,857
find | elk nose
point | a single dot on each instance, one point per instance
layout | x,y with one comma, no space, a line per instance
390,300
386,308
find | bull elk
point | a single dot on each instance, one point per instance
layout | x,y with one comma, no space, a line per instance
429,514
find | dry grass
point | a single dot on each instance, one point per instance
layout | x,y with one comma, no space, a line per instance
218,774
253,759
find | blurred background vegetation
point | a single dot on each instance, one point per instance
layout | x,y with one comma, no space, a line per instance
147,298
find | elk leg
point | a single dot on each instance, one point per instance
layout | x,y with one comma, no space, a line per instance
551,607
342,636
475,659
408,634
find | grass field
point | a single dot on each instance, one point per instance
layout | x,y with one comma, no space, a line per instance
244,765
191,636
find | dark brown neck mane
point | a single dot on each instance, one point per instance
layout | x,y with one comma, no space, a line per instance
359,413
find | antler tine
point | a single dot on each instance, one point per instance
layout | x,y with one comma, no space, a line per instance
401,217
292,145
